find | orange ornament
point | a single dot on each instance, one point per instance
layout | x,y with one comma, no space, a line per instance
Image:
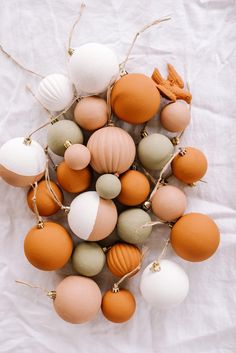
195,237
135,188
74,181
190,165
135,98
123,258
118,306
48,248
44,201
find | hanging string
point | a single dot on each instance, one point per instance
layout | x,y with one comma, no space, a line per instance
122,71
154,223
36,98
109,118
40,222
155,267
69,49
115,287
18,64
50,158
50,293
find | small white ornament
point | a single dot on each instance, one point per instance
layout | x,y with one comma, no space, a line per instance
55,92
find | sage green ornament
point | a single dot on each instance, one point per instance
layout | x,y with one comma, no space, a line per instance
61,133
129,226
108,186
88,259
154,151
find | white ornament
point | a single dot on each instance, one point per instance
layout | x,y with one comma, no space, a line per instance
165,288
93,67
55,92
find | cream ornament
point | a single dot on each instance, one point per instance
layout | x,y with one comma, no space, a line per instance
165,288
22,161
55,92
93,67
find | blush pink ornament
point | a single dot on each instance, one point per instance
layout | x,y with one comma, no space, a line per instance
77,156
78,299
169,203
91,113
112,150
176,116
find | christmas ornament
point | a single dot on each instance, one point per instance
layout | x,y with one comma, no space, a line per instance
166,287
48,247
135,98
91,113
154,151
93,67
190,165
55,92
77,156
175,117
195,237
112,150
22,161
88,259
108,186
91,217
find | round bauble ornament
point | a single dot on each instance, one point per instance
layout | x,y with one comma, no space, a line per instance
78,299
77,156
195,237
165,288
154,151
135,188
22,162
169,203
91,113
112,150
73,181
88,259
91,217
130,226
118,306
189,166
108,186
48,248
123,258
135,98
62,132
44,201
176,116
93,67
55,92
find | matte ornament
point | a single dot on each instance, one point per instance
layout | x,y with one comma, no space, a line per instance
123,258
45,203
166,288
91,113
175,117
112,150
21,164
93,67
154,151
169,203
130,226
92,218
78,299
118,306
135,188
195,237
77,156
88,259
49,248
135,98
189,167
108,186
73,181
61,132
55,92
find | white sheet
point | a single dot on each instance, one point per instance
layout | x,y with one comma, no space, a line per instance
200,42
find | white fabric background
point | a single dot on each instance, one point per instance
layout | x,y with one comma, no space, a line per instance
200,42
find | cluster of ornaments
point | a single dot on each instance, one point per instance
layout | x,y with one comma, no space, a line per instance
107,159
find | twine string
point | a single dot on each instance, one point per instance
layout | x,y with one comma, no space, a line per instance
36,98
155,267
50,293
69,49
40,222
50,189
